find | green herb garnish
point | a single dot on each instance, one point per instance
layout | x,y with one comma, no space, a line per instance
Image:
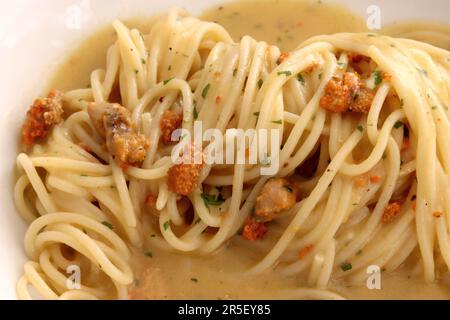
378,76
256,114
205,90
212,199
260,83
167,81
195,113
398,124
301,79
287,73
345,266
166,224
109,225
277,121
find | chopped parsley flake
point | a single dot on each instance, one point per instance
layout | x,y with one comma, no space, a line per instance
360,128
345,266
378,76
195,113
109,225
287,73
301,79
212,200
148,254
278,121
398,124
260,83
166,225
167,81
256,114
205,90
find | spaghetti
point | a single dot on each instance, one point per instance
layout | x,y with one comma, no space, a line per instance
378,193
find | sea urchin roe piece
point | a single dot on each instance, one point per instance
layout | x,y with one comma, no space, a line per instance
41,117
390,212
113,122
170,121
253,229
348,93
182,178
277,195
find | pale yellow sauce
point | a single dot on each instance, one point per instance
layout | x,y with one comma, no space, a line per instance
170,275
284,23
436,34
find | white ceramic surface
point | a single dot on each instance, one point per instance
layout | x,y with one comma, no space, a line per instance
36,34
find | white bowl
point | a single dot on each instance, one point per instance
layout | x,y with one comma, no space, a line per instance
37,34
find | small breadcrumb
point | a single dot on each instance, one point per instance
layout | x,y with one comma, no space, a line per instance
253,229
390,212
183,178
348,93
305,251
170,121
